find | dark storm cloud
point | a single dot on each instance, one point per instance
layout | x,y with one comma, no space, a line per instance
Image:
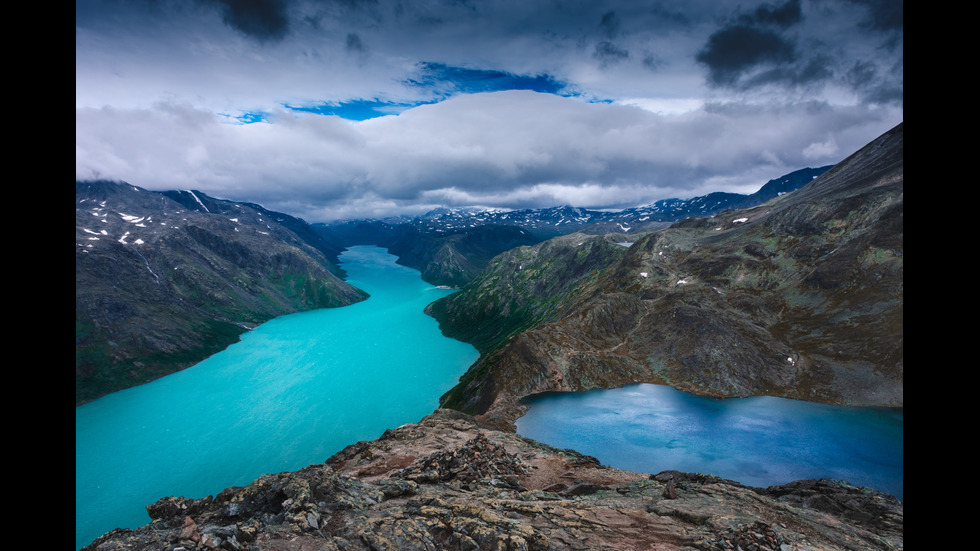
608,53
347,108
814,71
862,74
782,16
817,68
752,41
653,62
665,16
884,19
354,43
875,81
265,20
733,51
609,24
774,47
884,15
875,85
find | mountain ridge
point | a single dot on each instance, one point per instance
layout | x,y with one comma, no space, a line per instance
160,286
549,221
583,311
451,246
799,297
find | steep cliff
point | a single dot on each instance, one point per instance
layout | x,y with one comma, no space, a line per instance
801,297
163,282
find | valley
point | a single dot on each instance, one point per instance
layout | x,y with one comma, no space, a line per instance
165,279
798,294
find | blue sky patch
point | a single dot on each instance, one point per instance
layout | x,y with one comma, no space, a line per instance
445,80
357,110
249,118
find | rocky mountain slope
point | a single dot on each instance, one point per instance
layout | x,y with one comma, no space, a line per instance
801,297
164,280
448,482
525,286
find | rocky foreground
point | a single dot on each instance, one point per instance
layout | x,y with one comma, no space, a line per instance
449,482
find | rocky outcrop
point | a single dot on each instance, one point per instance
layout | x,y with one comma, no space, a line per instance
801,297
449,482
162,282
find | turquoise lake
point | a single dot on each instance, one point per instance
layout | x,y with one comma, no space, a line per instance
300,388
291,393
759,441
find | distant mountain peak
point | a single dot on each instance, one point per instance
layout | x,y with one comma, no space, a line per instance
563,219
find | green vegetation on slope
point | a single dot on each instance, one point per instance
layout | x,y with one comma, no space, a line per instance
159,287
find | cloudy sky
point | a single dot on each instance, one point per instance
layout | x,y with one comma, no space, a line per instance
333,109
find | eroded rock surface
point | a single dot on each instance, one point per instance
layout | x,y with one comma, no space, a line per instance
449,482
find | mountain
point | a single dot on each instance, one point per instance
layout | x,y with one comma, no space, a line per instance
800,297
448,482
660,214
164,280
198,201
451,246
550,222
524,287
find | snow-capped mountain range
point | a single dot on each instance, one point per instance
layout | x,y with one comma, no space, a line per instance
547,222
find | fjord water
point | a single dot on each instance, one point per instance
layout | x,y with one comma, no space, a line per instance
291,393
759,441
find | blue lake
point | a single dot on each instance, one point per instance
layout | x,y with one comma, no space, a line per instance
291,393
299,388
759,441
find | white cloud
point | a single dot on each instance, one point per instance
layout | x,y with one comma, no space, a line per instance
159,87
500,149
821,150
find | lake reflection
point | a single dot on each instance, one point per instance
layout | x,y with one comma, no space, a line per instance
758,441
